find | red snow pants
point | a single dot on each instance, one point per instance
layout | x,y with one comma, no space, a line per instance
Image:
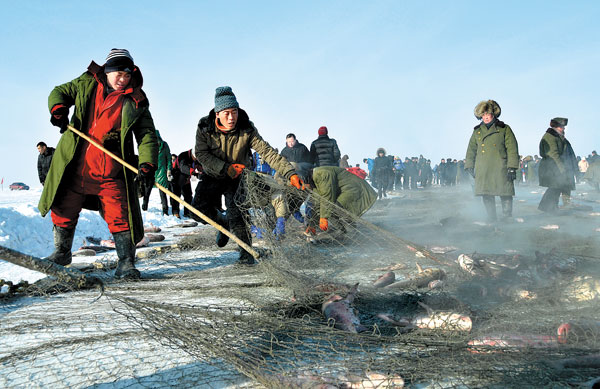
111,193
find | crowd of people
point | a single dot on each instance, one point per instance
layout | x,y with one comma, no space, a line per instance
112,109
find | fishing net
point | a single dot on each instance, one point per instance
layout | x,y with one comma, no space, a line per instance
198,319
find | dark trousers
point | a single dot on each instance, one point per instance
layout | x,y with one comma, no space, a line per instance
549,202
178,190
207,199
163,200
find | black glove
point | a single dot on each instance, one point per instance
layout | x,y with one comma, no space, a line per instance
471,171
60,118
145,176
511,174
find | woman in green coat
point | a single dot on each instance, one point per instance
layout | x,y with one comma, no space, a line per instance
493,159
558,166
111,108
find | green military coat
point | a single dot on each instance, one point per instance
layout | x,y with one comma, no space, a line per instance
164,161
559,164
340,187
491,152
136,121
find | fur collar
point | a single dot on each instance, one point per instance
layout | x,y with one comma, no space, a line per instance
553,132
497,123
207,123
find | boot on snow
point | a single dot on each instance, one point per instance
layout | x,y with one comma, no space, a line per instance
63,240
126,253
222,239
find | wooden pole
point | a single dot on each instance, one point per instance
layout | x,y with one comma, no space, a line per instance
237,240
66,275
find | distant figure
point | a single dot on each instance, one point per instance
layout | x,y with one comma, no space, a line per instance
398,172
382,169
324,150
369,162
161,176
186,166
558,166
44,160
295,151
493,159
344,162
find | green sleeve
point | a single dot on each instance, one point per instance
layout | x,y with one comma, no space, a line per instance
512,149
64,94
145,136
471,152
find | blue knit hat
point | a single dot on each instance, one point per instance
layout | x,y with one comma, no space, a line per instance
224,98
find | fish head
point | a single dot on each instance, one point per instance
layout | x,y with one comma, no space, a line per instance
563,332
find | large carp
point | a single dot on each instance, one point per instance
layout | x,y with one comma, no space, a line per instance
340,310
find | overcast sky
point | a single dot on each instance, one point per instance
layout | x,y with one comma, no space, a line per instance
403,75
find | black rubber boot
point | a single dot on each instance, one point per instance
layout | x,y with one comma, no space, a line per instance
507,206
245,257
126,253
222,239
63,240
490,206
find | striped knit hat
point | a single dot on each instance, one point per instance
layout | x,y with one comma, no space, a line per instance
118,60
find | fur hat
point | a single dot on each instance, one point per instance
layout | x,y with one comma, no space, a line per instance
380,150
322,130
559,122
489,106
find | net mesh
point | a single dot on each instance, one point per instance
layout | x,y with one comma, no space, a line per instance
197,319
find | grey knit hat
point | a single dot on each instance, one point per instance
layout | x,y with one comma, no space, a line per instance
224,98
118,60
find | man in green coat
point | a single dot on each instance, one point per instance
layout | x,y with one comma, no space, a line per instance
558,166
224,143
163,172
111,108
493,159
340,187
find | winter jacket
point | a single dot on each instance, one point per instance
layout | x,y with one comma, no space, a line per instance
136,122
43,164
342,188
382,168
217,150
298,153
187,167
164,161
559,164
592,174
491,152
324,151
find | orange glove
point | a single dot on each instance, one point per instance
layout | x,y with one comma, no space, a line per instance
323,224
297,182
234,170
